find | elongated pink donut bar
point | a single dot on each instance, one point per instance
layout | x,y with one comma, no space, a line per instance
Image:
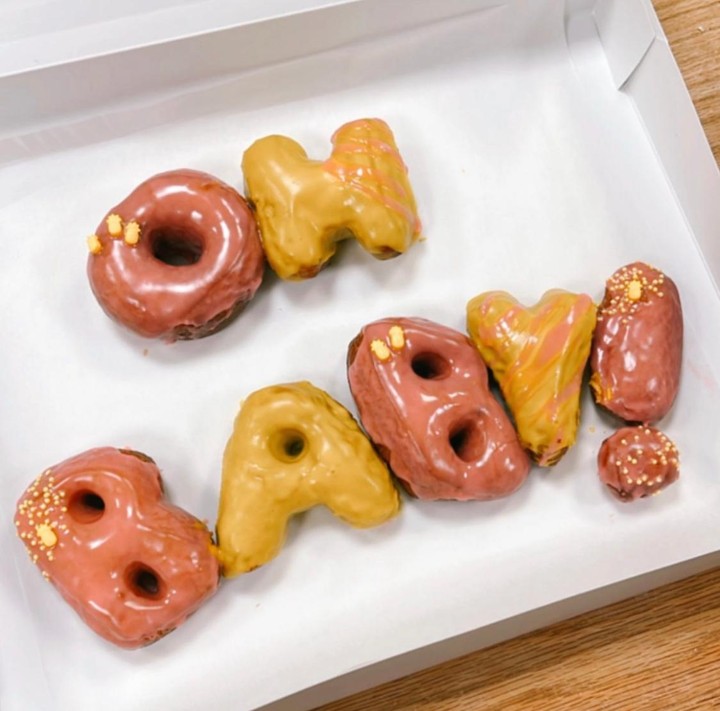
637,349
423,397
178,258
133,566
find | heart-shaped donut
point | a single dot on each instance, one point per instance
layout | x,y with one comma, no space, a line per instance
538,355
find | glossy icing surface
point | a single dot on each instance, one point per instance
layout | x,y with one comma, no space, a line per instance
294,447
537,355
637,348
423,397
177,258
636,462
133,566
304,207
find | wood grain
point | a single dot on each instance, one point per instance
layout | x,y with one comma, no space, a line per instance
693,29
656,652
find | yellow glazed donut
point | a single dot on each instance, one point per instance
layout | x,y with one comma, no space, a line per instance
304,207
294,447
538,356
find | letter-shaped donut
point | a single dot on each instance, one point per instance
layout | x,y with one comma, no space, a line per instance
294,447
638,344
538,356
422,393
133,566
178,258
304,207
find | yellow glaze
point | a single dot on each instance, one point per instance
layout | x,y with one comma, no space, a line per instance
304,207
538,356
294,447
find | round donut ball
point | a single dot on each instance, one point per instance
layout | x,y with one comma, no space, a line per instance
638,461
178,258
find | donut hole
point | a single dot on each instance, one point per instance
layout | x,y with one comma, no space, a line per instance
144,582
467,439
86,506
288,445
176,247
430,366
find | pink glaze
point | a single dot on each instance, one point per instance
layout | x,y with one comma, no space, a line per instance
155,288
636,462
429,411
133,566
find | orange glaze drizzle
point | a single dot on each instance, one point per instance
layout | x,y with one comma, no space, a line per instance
364,156
538,356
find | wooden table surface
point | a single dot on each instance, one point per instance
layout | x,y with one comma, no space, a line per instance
656,652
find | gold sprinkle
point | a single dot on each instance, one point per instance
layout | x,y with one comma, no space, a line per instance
94,244
47,536
115,225
380,349
634,290
132,233
397,337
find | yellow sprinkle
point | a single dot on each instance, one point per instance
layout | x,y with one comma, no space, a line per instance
132,233
115,225
94,244
380,349
47,536
634,290
397,337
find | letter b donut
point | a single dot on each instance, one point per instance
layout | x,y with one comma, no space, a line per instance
422,393
133,566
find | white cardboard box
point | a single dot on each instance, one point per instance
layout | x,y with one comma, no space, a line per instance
548,142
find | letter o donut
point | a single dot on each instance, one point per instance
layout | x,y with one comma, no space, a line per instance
178,258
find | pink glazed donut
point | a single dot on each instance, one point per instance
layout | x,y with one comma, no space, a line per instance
178,258
423,397
133,566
